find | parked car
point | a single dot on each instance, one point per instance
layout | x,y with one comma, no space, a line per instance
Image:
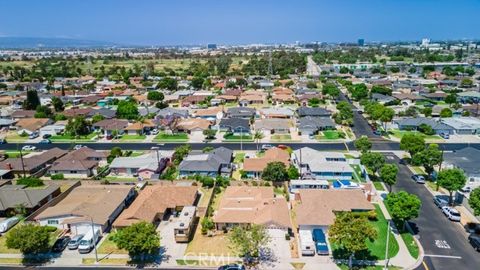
451,213
440,201
78,146
266,146
33,135
282,146
46,136
232,266
418,178
474,240
3,141
75,241
61,244
154,131
29,148
446,136
45,141
377,132
466,189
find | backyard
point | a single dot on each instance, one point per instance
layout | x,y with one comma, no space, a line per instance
177,137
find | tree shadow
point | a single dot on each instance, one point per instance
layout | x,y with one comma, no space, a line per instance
343,254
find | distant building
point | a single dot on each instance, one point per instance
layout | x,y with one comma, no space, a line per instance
211,46
361,42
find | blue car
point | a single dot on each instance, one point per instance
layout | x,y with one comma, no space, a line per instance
320,242
45,141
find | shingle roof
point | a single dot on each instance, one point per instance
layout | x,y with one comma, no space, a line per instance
318,207
155,200
271,155
80,159
14,195
309,122
466,159
307,111
235,123
206,162
32,161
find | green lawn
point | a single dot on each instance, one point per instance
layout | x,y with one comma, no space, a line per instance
400,133
239,157
374,267
281,137
15,137
378,186
377,247
330,135
417,169
177,137
410,243
127,137
357,173
137,153
126,179
238,138
68,138
108,246
16,154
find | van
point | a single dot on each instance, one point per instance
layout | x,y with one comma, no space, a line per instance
8,223
88,241
320,242
307,246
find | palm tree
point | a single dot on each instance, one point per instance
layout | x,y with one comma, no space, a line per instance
258,136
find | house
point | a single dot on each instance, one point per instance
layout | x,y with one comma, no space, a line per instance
32,163
463,125
241,112
254,167
252,97
273,126
414,124
469,96
109,126
11,196
145,166
279,113
437,96
87,206
31,125
214,163
6,123
193,100
382,99
192,125
106,113
52,130
245,205
237,126
316,208
167,112
313,164
140,128
466,159
211,114
78,112
303,99
80,163
316,112
407,99
155,202
310,125
19,114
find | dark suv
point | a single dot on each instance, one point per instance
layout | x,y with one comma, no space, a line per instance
474,240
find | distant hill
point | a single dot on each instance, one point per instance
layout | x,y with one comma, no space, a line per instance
34,42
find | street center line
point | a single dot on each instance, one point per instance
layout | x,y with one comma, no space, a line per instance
442,256
425,265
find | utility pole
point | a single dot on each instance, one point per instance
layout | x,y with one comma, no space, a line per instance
386,247
94,240
23,164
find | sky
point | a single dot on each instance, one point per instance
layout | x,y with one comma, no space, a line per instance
183,22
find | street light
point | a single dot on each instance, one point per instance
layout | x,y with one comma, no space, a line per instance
94,240
386,247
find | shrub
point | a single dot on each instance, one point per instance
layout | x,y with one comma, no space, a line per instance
50,229
30,182
287,237
58,176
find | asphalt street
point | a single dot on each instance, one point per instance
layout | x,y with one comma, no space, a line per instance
444,242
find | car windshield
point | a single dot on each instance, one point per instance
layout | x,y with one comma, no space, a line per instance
84,242
454,213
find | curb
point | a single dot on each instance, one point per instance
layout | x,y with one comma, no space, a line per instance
421,252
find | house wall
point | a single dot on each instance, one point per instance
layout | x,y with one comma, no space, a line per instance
73,174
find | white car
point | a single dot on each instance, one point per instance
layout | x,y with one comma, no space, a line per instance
154,131
78,146
451,213
29,148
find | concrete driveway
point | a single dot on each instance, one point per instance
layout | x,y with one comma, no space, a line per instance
279,247
171,250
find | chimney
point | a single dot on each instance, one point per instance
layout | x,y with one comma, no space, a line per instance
9,166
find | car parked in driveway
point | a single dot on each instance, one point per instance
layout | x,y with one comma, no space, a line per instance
451,213
446,136
419,179
33,135
61,244
75,241
474,240
440,200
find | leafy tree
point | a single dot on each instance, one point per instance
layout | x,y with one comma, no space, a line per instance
451,98
313,102
427,111
209,133
43,112
331,90
127,110
207,224
207,149
30,181
363,144
381,90
426,129
116,152
311,85
388,174
97,118
428,158
293,172
249,241
345,113
474,201
387,116
57,104
180,153
275,171
350,233
77,126
29,238
358,91
139,239
451,180
161,105
446,112
403,206
155,95
32,101
60,117
412,143
373,160
167,83
197,82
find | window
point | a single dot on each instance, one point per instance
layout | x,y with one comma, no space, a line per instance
73,171
52,222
